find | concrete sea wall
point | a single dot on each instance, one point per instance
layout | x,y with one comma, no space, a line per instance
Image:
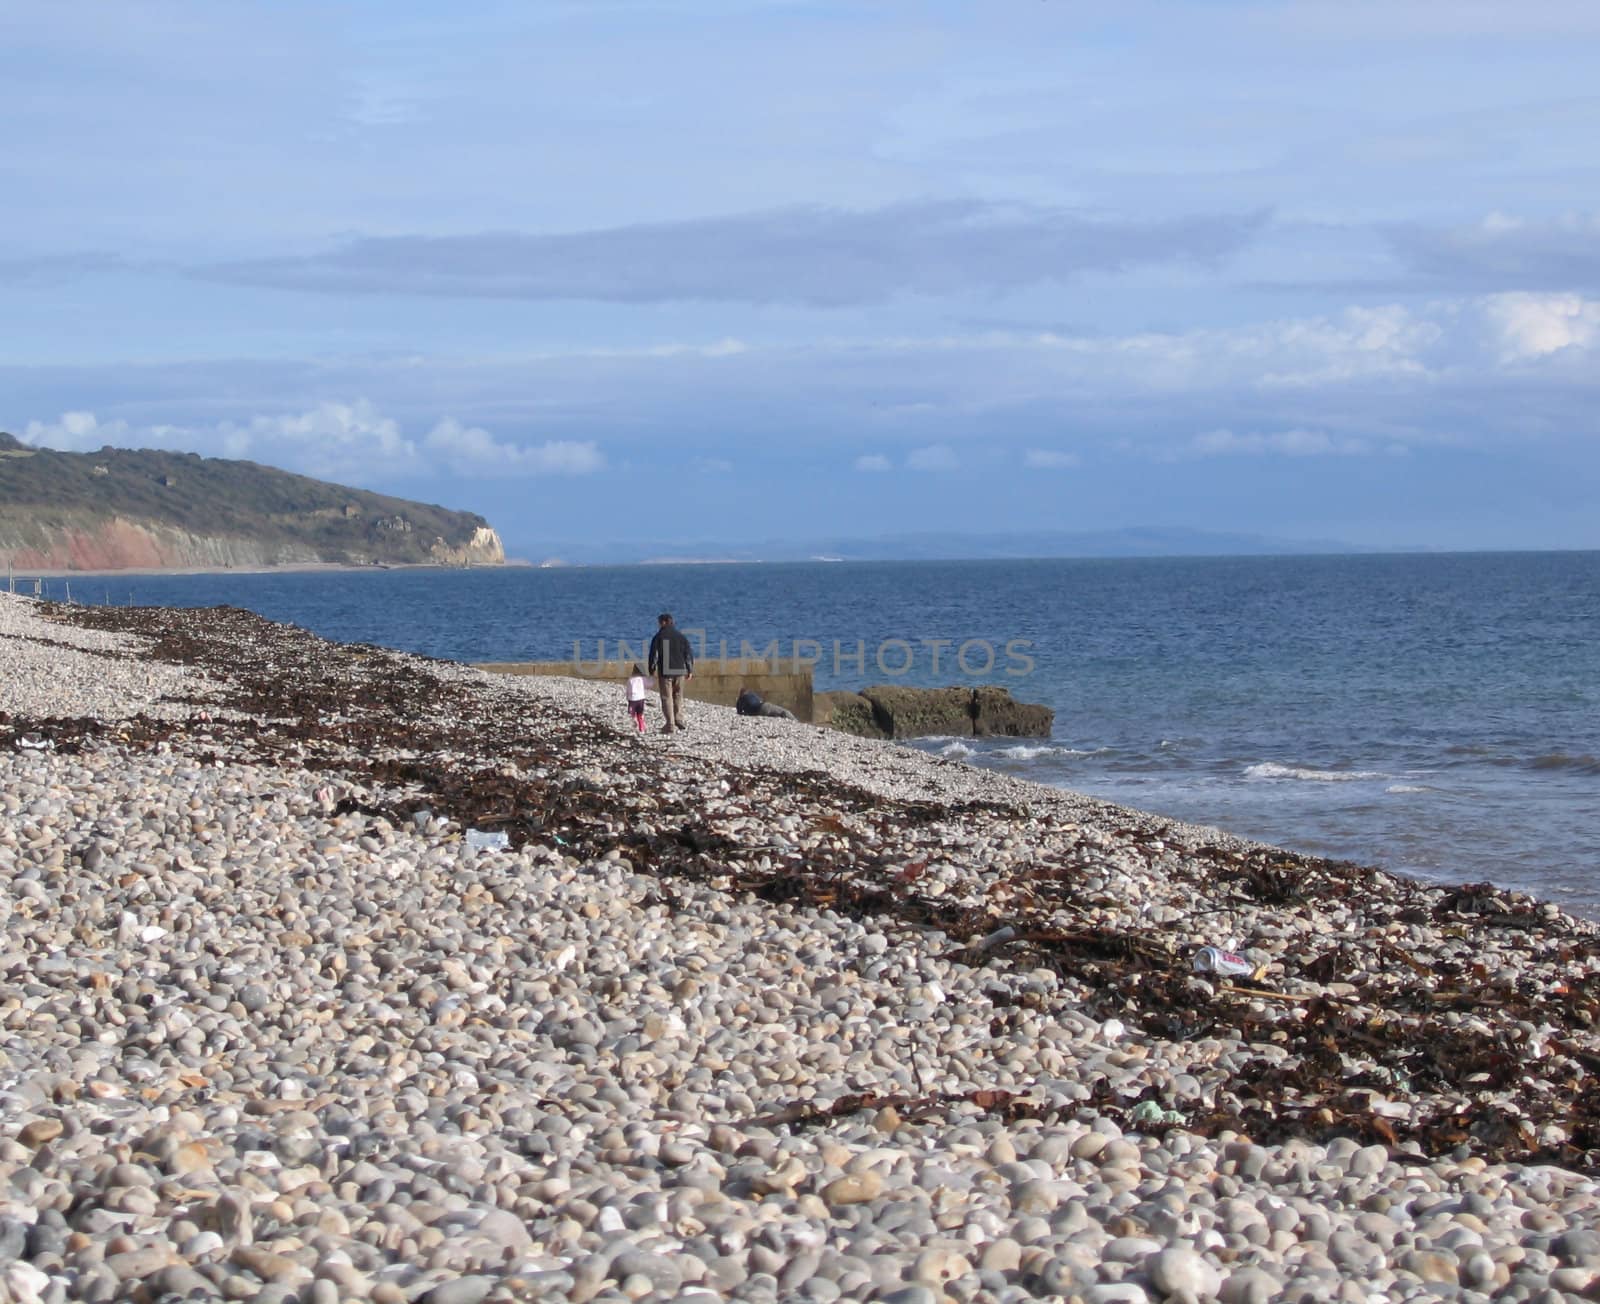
716,681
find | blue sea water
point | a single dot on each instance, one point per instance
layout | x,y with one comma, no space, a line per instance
1435,714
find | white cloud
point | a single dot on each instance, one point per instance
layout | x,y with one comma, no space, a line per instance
1358,344
935,457
872,462
330,439
471,448
1289,443
1529,326
1049,459
74,432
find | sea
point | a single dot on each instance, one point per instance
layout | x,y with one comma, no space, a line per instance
1434,714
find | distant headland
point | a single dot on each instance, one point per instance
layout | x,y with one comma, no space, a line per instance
141,509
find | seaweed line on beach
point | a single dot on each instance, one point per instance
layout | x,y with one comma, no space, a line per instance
1438,1030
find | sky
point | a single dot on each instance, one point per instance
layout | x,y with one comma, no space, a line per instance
755,270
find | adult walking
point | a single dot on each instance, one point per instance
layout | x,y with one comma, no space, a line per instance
672,663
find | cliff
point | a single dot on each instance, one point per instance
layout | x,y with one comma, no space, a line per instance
121,509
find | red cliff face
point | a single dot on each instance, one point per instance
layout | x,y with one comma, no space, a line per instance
120,544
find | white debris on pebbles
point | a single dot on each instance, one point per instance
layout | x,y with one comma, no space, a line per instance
270,1029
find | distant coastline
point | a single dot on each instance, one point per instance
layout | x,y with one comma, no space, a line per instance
288,568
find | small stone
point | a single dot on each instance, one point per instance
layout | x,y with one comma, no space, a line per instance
234,1220
1249,1286
201,1245
1369,1161
1089,1145
1572,1281
659,1270
853,1188
462,1290
1431,1265
1035,1197
269,1266
1477,1270
182,1281
26,1283
1183,1272
322,1291
191,1158
939,1265
40,1132
13,1239
1581,1245
1116,1292
135,1265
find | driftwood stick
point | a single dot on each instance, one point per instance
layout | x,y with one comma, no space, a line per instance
1264,994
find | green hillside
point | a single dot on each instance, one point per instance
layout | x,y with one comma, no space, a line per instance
44,492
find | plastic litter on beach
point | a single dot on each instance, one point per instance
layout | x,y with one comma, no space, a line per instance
1211,959
1150,1111
484,841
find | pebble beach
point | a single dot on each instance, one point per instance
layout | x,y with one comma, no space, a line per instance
329,973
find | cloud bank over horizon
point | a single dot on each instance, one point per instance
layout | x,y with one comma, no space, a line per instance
805,255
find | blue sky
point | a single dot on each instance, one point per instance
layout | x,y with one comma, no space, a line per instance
700,269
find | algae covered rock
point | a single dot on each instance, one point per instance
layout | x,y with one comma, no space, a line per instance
849,713
996,714
903,712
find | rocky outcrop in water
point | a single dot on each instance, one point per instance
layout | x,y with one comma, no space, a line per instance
898,711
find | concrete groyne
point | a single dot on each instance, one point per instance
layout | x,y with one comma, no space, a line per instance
879,711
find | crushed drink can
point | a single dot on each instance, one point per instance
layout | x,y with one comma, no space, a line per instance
1213,959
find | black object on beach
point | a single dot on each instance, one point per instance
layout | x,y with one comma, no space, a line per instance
750,703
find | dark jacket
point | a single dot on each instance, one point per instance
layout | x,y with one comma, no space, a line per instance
751,703
670,653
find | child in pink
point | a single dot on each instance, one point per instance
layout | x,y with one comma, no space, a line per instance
636,697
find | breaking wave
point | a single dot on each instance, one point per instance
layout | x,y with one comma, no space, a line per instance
1030,751
1272,770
